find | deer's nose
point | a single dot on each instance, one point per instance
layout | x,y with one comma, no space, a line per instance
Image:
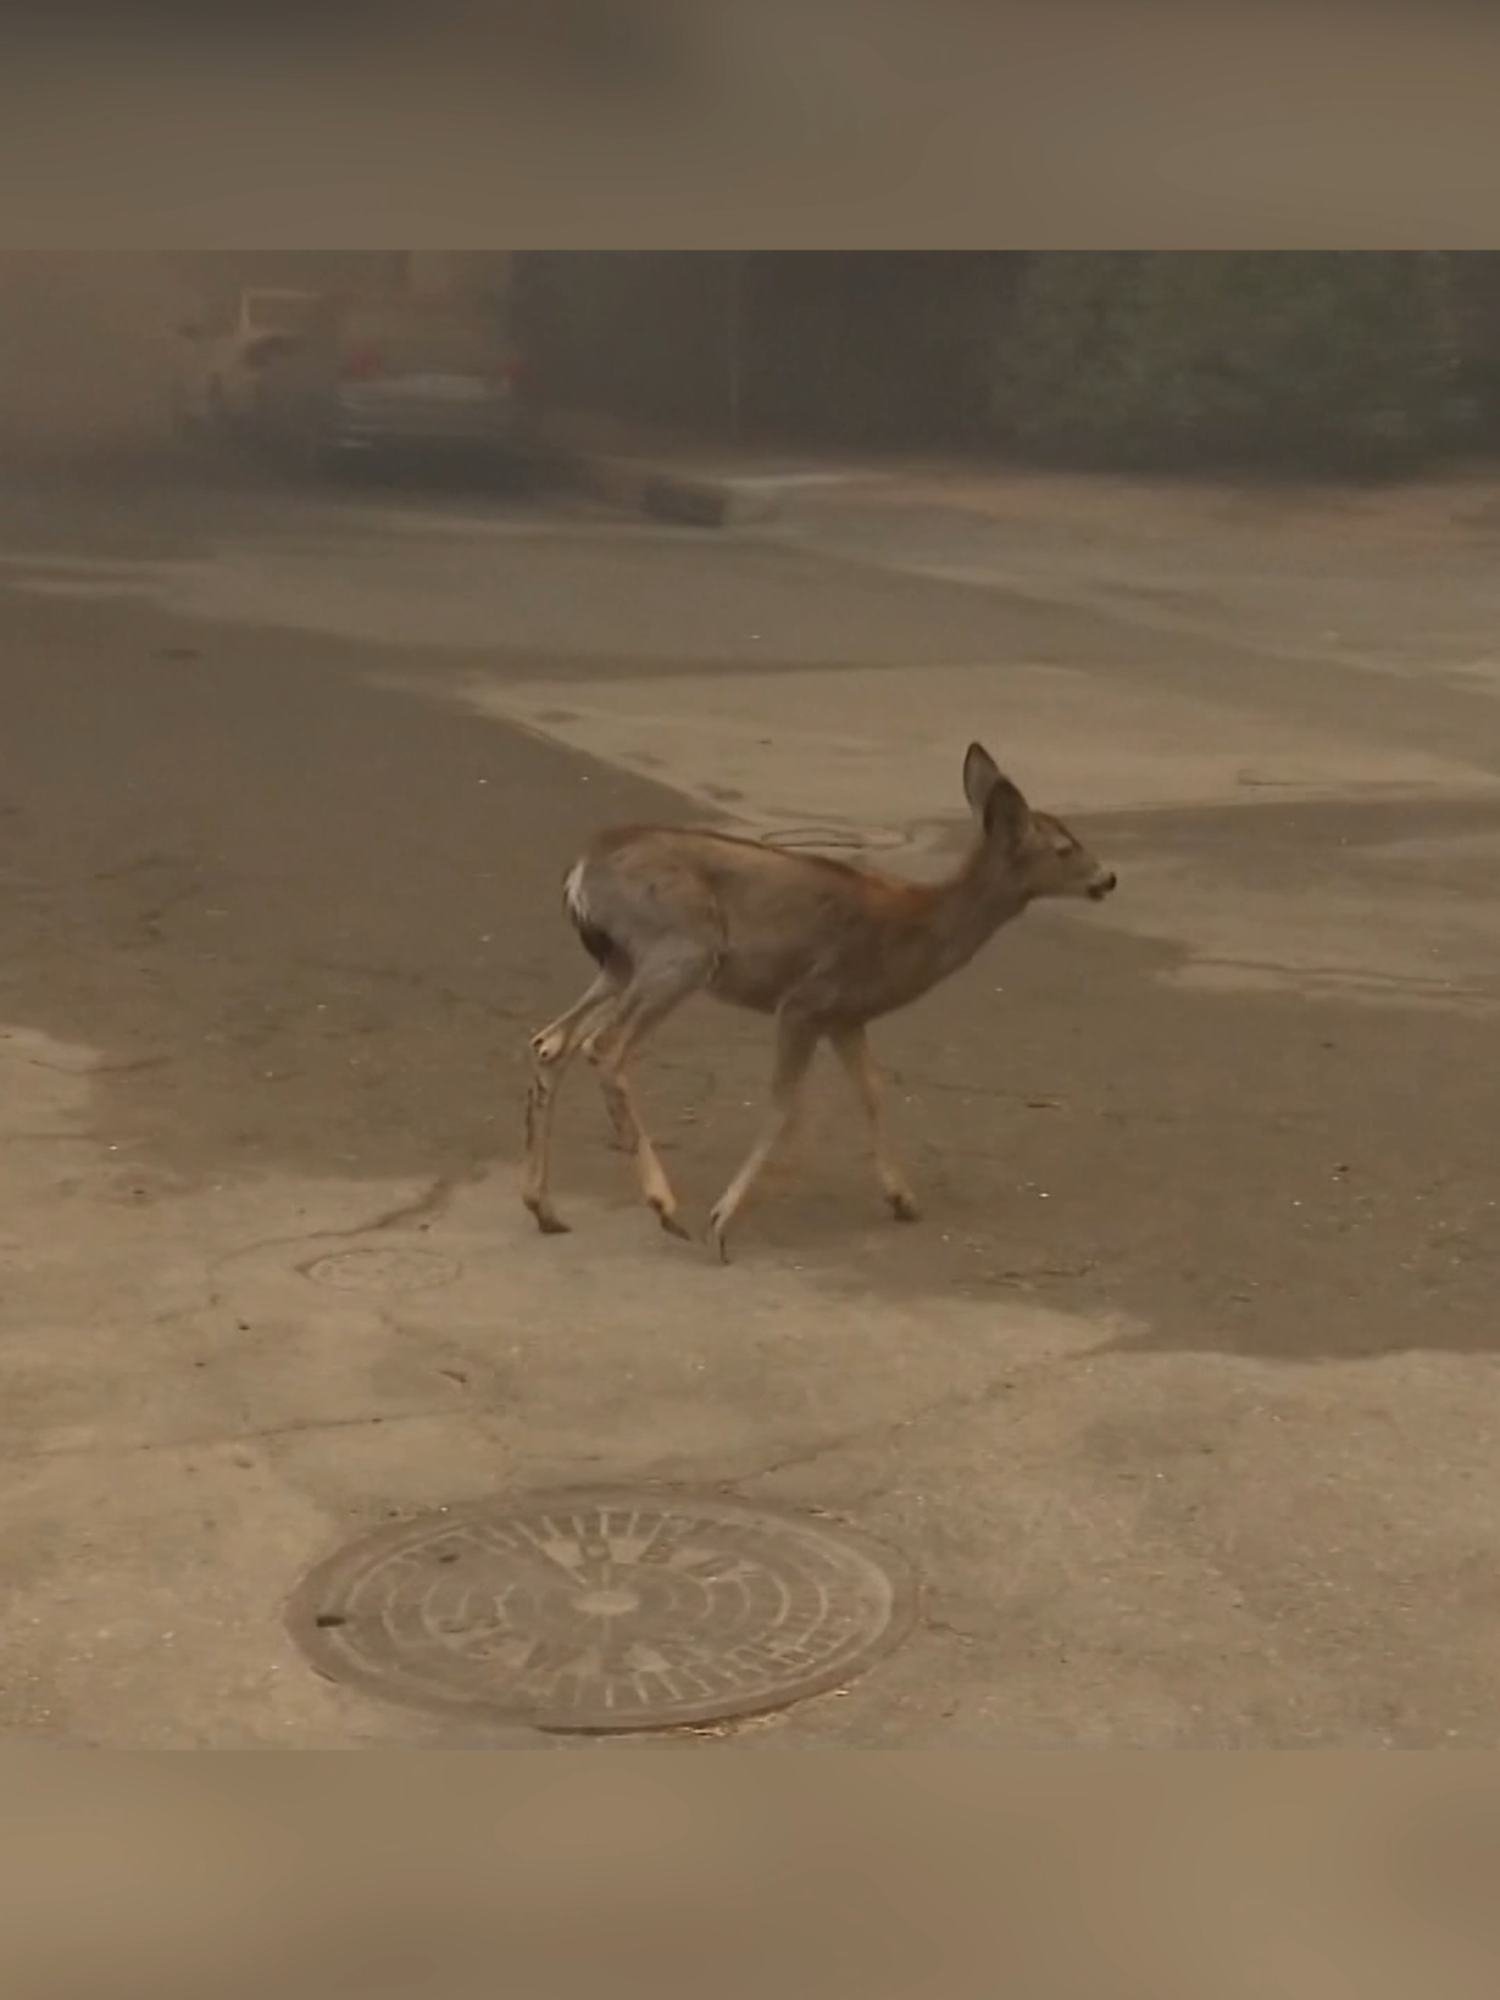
1103,884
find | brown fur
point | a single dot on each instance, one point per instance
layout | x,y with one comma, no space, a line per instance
823,946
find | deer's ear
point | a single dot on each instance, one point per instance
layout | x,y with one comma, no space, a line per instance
981,775
1006,814
994,800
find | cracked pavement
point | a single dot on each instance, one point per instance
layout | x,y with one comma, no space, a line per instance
1178,1399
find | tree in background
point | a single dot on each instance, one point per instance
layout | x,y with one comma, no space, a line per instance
1319,360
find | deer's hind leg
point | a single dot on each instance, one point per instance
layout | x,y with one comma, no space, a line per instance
561,1037
660,983
552,1050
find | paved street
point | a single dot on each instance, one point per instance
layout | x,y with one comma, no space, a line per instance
1181,1399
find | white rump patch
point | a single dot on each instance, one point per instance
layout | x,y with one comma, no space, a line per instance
573,894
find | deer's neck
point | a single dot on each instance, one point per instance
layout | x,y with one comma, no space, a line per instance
965,912
974,903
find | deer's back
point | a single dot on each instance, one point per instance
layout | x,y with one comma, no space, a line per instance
778,923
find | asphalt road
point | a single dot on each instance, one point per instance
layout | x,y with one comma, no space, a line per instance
1178,1400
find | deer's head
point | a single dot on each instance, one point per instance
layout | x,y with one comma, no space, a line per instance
1046,857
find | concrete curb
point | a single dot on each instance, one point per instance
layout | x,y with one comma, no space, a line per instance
661,493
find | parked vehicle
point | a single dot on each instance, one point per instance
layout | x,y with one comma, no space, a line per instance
406,375
223,350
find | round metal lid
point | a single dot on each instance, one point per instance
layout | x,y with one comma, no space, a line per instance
603,1610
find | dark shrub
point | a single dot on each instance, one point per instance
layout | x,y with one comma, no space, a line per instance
1327,361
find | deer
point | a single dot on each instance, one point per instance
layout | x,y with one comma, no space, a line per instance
823,947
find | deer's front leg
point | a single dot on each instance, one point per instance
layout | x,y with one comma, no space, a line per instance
852,1047
796,1044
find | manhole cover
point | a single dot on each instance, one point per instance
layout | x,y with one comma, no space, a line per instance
381,1270
603,1611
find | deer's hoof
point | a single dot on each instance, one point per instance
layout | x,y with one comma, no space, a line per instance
547,1219
904,1208
671,1223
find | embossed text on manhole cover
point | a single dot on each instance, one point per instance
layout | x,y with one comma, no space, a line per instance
603,1610
381,1270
